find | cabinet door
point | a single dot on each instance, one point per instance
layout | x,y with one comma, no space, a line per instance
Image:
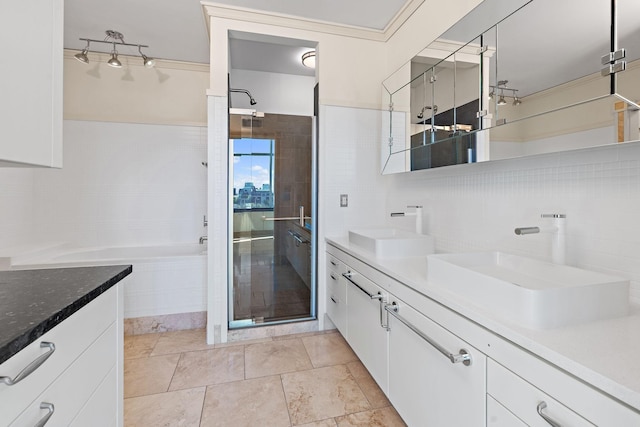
31,84
367,335
425,387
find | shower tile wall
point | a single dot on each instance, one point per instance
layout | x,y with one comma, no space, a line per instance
124,184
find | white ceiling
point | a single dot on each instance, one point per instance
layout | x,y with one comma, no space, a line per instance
176,29
557,42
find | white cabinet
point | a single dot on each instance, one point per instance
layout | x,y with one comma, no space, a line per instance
426,387
82,377
367,333
31,83
416,339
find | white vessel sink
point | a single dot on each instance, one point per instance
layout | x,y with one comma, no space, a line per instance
391,242
532,293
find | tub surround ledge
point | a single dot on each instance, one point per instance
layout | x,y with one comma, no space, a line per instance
32,302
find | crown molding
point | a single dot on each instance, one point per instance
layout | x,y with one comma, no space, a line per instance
136,61
217,10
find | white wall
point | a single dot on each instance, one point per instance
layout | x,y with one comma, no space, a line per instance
476,207
16,208
123,184
274,93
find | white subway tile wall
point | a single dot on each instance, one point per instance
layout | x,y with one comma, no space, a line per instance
124,184
477,207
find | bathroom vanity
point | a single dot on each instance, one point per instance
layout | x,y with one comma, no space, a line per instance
61,346
443,361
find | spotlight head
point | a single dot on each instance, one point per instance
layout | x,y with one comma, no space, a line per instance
82,56
148,62
516,101
502,101
114,61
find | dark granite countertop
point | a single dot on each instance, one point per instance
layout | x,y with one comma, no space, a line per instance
32,302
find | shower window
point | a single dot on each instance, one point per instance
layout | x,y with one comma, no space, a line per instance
253,174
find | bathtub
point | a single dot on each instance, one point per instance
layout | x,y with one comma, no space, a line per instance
166,280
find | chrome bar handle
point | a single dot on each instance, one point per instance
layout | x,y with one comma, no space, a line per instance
334,300
543,405
463,355
348,275
28,370
332,276
50,410
333,263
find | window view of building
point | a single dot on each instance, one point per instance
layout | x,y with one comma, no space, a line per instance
253,173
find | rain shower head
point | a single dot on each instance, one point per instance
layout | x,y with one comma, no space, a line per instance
251,100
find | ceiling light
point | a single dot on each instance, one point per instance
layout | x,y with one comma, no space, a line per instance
309,59
114,61
491,94
114,38
148,62
516,101
502,101
82,56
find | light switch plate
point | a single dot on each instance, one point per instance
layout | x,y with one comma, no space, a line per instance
344,200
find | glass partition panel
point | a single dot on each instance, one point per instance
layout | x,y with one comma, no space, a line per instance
626,112
539,85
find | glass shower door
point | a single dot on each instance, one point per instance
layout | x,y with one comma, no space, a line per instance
272,251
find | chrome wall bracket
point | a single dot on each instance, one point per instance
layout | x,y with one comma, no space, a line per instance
613,62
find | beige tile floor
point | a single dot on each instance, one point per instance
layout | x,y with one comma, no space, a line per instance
311,380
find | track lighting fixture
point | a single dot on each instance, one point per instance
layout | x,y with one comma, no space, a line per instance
114,38
502,87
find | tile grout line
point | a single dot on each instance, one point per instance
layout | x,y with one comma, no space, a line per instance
286,402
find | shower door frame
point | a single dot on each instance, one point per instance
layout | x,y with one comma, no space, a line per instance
313,305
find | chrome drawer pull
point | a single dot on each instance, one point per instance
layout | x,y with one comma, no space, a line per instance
333,299
50,408
28,370
333,277
348,277
333,263
463,355
543,405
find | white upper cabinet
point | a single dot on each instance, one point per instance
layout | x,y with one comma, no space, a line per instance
31,66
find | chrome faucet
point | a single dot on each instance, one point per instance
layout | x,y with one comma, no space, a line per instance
417,213
203,239
558,246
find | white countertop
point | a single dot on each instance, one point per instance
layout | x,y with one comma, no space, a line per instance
605,354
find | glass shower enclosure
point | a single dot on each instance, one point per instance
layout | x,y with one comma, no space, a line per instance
272,277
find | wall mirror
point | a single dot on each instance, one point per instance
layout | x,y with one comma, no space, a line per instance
512,79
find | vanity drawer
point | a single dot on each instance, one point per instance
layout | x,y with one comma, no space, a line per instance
71,390
499,416
337,300
71,337
101,408
334,264
523,399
